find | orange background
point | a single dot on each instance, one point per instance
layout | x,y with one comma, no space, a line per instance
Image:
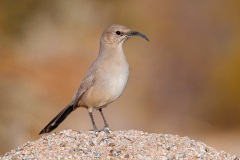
185,81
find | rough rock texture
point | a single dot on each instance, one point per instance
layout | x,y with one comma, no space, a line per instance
69,144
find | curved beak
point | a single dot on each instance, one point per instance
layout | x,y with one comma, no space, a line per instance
135,33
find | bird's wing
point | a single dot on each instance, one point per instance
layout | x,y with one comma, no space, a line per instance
86,84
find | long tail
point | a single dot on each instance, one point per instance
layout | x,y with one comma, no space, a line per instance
58,119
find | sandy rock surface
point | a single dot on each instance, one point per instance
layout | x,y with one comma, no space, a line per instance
69,144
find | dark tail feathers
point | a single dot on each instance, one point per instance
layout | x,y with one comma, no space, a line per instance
58,119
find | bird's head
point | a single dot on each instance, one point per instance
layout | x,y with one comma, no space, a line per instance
116,34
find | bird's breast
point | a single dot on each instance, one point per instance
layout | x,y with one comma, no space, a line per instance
109,84
115,79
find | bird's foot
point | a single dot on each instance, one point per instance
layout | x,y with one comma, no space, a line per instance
94,130
106,129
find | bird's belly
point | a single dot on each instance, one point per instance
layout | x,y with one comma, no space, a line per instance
106,89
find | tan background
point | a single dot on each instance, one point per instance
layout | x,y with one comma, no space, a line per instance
185,81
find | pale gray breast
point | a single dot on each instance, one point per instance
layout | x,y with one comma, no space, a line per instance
113,80
109,83
116,80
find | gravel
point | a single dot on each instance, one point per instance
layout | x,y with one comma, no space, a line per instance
69,144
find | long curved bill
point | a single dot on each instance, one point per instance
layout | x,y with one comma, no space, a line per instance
135,33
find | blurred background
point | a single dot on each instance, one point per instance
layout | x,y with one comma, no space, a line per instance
185,81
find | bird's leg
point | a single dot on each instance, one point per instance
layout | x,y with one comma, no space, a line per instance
106,128
93,122
105,122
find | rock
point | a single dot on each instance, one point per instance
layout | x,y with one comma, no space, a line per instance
69,144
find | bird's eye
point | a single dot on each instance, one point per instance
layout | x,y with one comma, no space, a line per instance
118,32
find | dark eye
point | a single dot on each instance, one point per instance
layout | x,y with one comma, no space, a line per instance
118,32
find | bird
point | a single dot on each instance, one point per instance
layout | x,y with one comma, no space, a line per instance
105,80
